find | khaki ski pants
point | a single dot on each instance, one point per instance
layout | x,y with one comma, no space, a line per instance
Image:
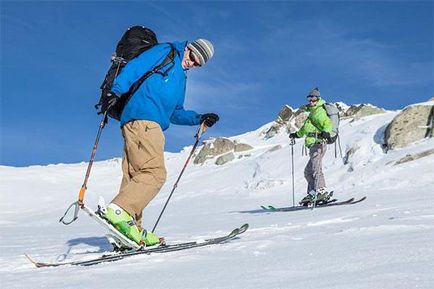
143,167
313,171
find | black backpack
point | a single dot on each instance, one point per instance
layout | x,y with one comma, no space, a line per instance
136,40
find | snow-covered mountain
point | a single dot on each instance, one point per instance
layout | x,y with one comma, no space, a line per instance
384,242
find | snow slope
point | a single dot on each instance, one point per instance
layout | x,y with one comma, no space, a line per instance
383,242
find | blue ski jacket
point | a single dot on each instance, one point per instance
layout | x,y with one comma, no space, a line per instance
160,98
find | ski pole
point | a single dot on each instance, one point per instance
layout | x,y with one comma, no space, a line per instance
339,144
198,135
292,142
92,157
79,204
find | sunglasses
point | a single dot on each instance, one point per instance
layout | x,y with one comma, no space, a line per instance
312,98
193,58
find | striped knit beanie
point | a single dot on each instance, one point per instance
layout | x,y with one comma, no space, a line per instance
203,49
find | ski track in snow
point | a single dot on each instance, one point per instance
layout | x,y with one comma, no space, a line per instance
384,242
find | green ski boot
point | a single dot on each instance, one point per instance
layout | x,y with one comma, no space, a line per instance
150,239
322,196
126,224
308,199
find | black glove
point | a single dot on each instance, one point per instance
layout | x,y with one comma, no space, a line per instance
108,101
293,135
113,97
209,119
325,135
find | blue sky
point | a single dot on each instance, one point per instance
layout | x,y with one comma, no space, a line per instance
54,56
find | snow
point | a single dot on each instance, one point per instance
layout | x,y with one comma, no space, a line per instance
384,242
425,103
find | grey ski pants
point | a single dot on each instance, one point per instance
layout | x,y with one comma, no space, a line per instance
313,171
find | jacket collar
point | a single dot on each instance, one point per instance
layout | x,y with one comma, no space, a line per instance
179,46
319,103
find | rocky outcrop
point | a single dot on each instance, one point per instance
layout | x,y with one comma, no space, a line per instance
214,148
221,160
361,110
287,118
414,123
244,156
299,118
409,158
275,148
349,153
343,107
348,158
223,148
293,120
284,115
273,130
242,147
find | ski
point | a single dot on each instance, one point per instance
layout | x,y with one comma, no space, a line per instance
331,203
152,250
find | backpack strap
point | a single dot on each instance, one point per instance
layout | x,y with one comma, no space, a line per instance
170,58
122,101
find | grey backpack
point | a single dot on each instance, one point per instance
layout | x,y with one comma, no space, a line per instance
333,113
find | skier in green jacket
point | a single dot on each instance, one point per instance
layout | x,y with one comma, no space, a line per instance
316,130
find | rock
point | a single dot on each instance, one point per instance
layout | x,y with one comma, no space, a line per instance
225,158
284,115
289,118
211,149
300,110
409,158
273,130
300,119
349,153
359,111
343,107
244,156
297,120
241,147
410,125
275,148
202,155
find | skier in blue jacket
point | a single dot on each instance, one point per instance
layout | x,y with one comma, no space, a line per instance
158,102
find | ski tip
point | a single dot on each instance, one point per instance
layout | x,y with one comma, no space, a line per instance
359,200
234,233
243,228
37,264
30,259
239,230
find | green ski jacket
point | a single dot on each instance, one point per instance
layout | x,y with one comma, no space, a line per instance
316,122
